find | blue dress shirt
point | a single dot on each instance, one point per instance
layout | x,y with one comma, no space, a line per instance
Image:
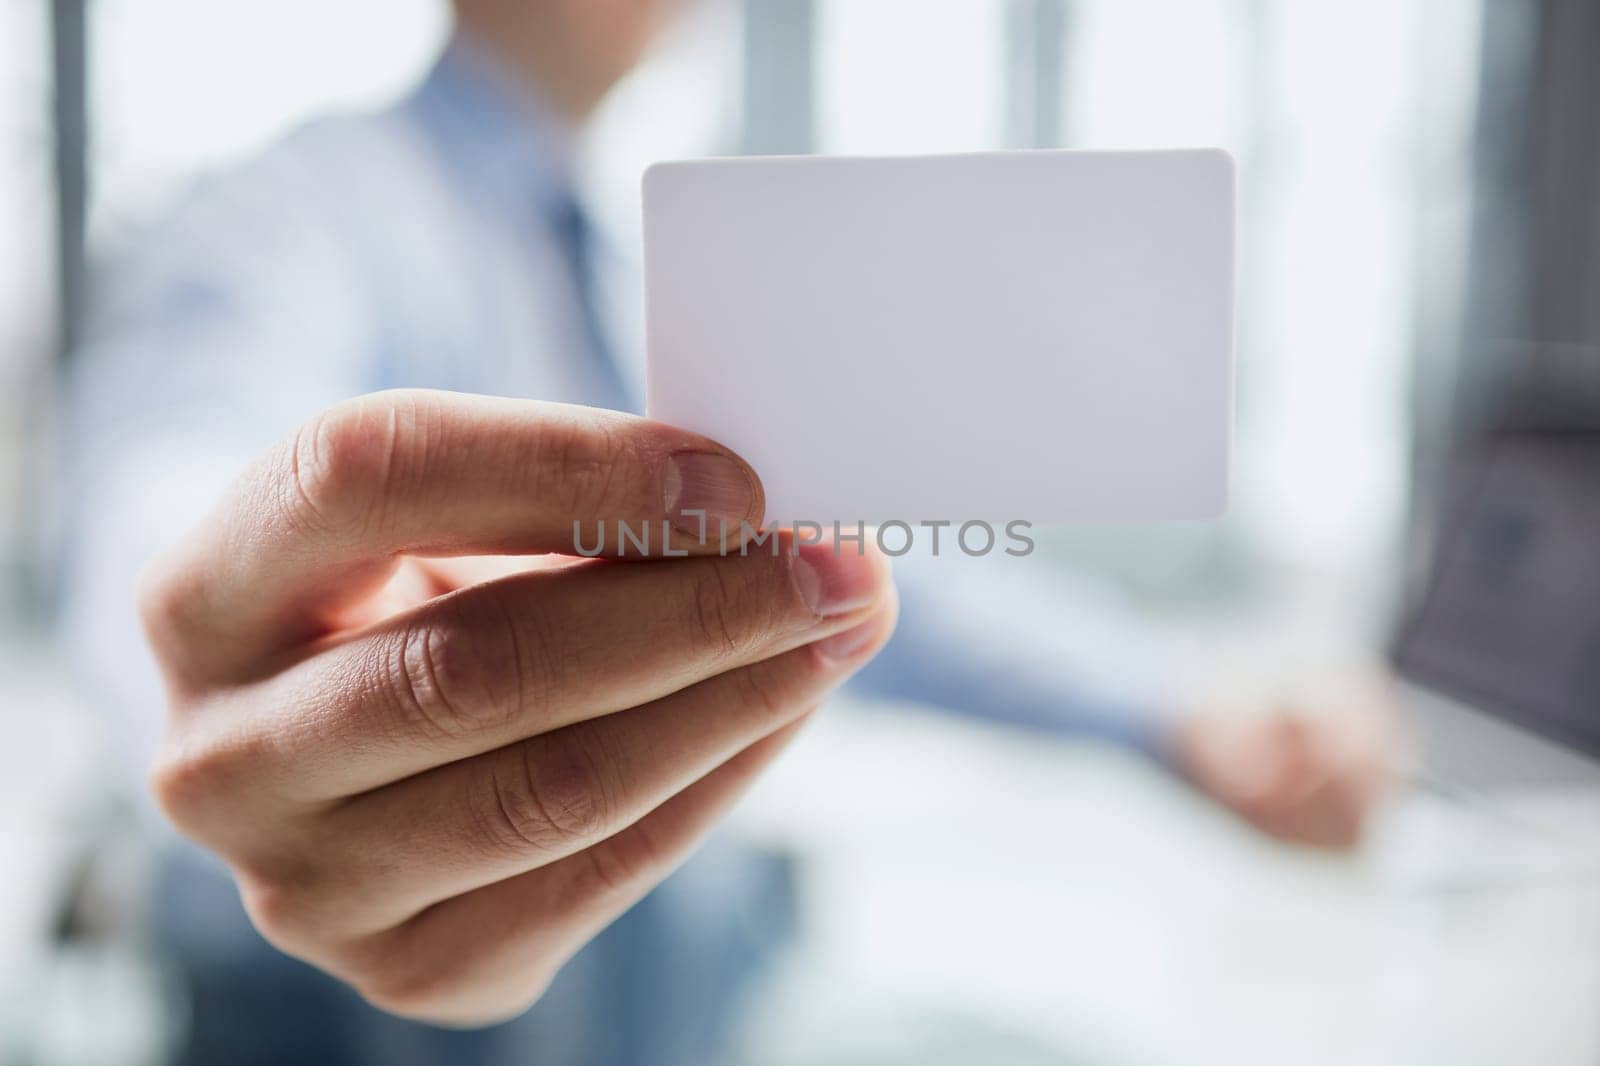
439,243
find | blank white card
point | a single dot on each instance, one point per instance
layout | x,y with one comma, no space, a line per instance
1013,335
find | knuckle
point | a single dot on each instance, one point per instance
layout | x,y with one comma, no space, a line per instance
390,972
164,597
406,989
343,461
570,469
285,909
179,787
587,468
169,604
762,693
547,796
189,782
428,988
714,605
621,864
271,904
459,676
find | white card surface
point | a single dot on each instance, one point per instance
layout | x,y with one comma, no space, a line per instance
1033,335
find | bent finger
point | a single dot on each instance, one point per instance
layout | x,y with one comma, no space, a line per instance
498,663
481,820
317,524
489,954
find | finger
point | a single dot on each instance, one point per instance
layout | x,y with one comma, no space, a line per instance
1318,800
525,655
489,954
1255,763
1355,766
317,524
401,849
1326,817
1268,772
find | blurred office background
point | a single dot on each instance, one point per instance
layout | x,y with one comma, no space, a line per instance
1420,221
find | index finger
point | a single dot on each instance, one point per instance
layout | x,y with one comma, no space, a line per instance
318,523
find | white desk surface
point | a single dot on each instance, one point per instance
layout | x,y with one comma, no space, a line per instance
977,896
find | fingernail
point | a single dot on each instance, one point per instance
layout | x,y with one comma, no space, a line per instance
716,489
846,645
835,582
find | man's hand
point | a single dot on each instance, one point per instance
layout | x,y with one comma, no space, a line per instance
1303,775
439,793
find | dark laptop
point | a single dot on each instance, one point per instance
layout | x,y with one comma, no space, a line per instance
1508,619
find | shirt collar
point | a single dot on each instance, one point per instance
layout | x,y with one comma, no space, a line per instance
494,130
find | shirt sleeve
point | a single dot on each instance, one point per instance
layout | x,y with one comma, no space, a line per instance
1025,642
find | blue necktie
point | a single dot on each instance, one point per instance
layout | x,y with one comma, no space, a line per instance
576,238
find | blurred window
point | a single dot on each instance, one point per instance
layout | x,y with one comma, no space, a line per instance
898,76
1352,127
183,86
27,265
1351,123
